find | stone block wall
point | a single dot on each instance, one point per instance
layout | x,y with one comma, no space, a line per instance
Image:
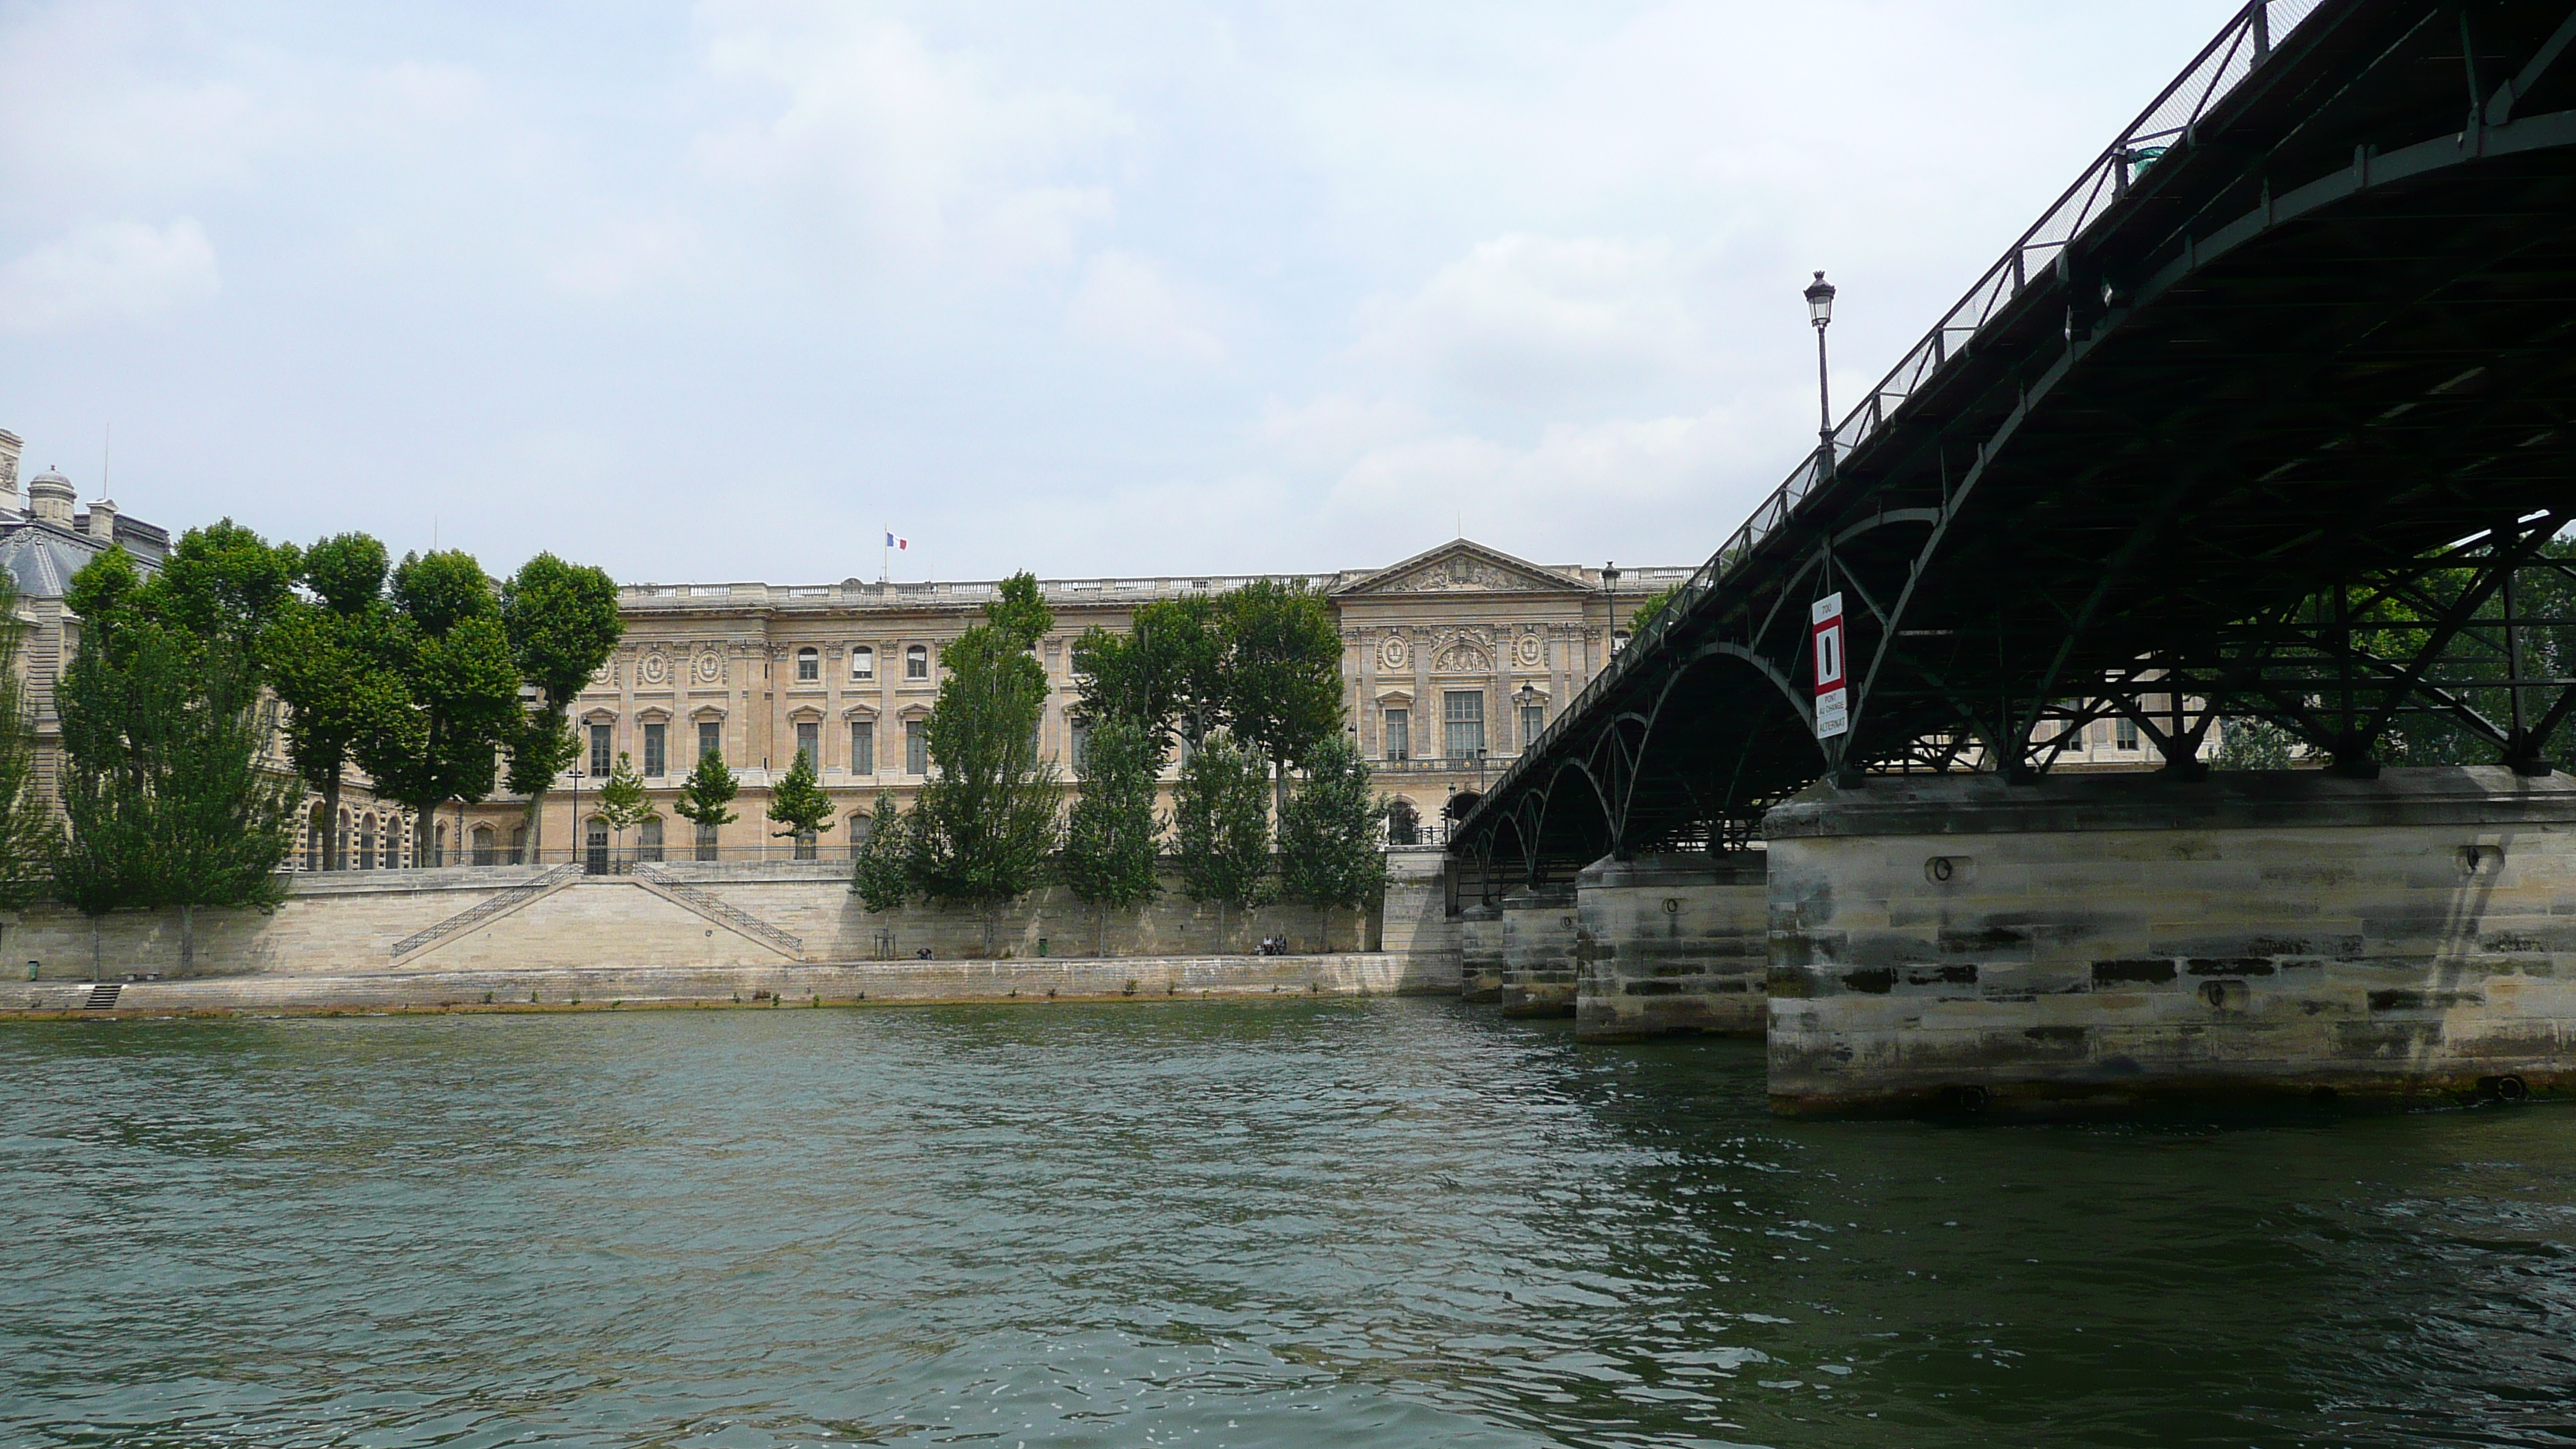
1670,944
2109,940
1480,952
1538,951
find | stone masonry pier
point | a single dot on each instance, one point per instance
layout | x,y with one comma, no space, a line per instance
1957,942
1670,944
1538,951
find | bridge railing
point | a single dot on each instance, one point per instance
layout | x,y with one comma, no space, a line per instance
2211,76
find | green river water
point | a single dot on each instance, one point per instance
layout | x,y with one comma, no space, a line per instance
1335,1223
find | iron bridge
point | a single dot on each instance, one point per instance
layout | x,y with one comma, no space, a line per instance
2268,417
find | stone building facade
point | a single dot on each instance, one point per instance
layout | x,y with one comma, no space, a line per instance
1451,661
46,537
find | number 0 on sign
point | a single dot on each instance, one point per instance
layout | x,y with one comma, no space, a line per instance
1833,714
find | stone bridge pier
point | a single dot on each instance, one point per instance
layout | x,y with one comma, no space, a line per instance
1480,952
1538,951
1958,943
1670,944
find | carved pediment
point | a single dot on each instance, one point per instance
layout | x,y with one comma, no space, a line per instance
1463,568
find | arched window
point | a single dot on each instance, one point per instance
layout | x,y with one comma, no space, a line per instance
392,842
863,662
313,838
483,846
1403,824
809,665
365,843
860,826
519,845
343,852
438,848
594,845
706,842
916,661
648,838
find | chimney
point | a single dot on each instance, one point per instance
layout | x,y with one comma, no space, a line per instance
101,520
49,498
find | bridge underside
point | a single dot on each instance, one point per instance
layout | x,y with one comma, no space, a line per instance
2273,438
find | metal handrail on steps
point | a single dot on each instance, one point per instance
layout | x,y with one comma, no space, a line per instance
710,905
465,920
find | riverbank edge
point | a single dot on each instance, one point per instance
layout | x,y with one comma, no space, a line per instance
610,988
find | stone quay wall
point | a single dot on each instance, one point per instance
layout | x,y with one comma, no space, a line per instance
780,984
685,916
1479,933
1671,944
2107,940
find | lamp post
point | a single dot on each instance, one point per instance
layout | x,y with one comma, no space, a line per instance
1820,310
1609,612
1526,698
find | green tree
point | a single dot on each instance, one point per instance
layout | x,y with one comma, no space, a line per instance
563,625
1112,839
882,872
327,657
799,804
1166,672
1282,681
1655,603
222,581
447,646
986,820
2251,744
706,797
29,839
1329,855
622,800
1221,828
164,791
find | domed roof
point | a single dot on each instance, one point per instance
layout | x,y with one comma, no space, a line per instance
49,479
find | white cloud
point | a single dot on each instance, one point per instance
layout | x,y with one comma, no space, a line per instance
923,153
1128,301
1533,320
1331,430
121,271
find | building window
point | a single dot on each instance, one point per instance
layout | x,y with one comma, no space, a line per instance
916,662
863,747
1533,720
809,743
706,842
595,846
648,839
1399,734
313,837
366,842
2124,733
657,751
1462,721
1081,734
601,762
484,851
710,738
860,828
916,748
805,845
392,841
518,845
863,662
809,666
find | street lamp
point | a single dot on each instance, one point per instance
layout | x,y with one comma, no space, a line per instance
1820,310
1609,612
1527,698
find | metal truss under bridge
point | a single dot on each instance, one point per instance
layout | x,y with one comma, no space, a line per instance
2269,416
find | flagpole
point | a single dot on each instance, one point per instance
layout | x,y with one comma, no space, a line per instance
885,558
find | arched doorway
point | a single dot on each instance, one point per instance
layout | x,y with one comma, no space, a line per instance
1403,824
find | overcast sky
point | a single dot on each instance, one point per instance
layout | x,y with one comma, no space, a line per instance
718,291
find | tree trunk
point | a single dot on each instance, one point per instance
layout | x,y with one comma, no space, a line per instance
536,823
421,830
331,824
187,938
97,951
992,930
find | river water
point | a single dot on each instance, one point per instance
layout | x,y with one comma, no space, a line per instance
1344,1222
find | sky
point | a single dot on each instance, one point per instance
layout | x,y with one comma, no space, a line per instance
721,291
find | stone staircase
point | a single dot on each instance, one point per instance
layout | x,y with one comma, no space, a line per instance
652,878
492,909
102,996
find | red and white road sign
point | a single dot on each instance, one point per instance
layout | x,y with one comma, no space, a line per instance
1833,714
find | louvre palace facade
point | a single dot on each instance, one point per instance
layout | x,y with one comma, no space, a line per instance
1451,661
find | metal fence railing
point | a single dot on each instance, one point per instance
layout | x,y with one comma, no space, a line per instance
2216,71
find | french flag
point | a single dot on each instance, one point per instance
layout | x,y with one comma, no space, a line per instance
894,542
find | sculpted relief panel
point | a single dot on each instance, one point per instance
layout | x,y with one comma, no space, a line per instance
708,667
1463,651
1455,575
653,670
1395,653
